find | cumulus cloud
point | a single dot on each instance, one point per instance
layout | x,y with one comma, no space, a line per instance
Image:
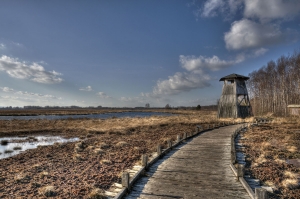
103,95
264,10
197,64
195,76
267,10
180,82
249,34
34,71
88,88
6,89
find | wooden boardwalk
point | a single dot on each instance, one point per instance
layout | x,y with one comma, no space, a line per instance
196,169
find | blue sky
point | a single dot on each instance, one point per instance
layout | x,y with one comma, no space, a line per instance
129,53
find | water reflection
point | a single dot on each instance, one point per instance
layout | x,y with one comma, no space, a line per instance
17,145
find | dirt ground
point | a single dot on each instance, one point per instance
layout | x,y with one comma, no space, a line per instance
273,156
74,170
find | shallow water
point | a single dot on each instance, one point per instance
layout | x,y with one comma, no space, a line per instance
18,145
91,116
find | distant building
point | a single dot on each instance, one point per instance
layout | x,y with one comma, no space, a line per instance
294,109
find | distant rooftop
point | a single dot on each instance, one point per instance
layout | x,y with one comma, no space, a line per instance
234,76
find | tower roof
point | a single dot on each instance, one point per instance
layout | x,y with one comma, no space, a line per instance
234,76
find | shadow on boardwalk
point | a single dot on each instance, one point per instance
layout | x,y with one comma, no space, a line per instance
198,168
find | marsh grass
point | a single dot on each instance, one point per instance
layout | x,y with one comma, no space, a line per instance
91,127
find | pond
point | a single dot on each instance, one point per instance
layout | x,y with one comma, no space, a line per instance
10,146
91,116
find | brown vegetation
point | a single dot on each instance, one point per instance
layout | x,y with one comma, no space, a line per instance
268,147
107,148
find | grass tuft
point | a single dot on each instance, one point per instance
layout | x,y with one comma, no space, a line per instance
96,194
48,191
122,144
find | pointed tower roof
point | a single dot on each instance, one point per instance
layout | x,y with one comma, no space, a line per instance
234,76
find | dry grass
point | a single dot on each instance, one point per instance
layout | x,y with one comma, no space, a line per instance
43,174
104,161
290,183
85,127
99,151
78,157
122,144
103,145
96,194
48,191
268,147
21,177
100,164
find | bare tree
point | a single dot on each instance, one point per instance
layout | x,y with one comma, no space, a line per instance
273,87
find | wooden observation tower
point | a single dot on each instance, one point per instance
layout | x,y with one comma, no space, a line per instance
234,101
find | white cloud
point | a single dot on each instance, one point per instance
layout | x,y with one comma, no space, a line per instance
266,10
192,63
6,89
248,34
37,95
195,77
180,82
103,95
260,51
34,71
2,46
210,7
88,88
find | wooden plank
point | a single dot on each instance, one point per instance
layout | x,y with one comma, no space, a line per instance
198,169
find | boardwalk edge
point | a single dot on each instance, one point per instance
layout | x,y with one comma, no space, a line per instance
140,173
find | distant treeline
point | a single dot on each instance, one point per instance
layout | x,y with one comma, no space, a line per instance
273,87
